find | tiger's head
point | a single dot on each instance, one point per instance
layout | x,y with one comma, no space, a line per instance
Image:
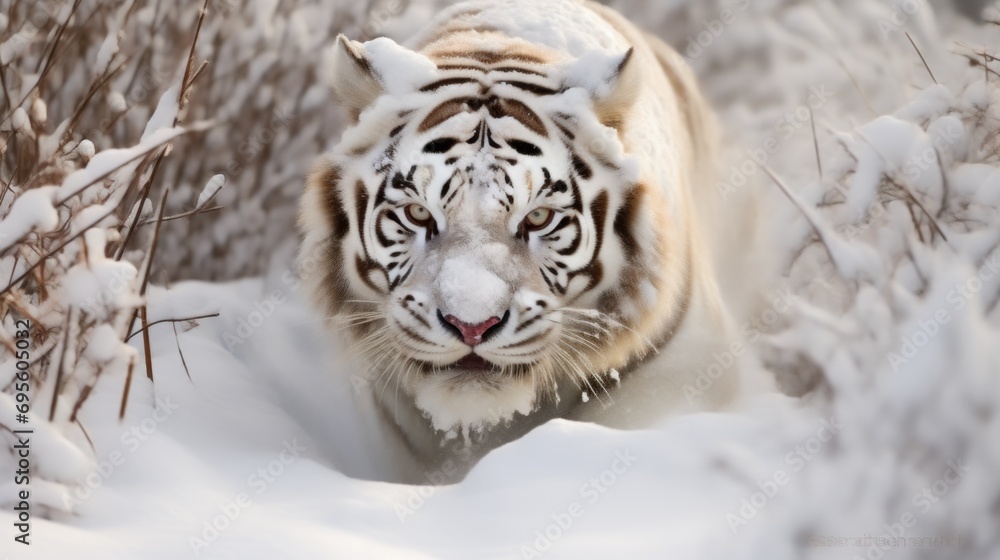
482,234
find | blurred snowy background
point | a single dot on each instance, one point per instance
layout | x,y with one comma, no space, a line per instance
151,163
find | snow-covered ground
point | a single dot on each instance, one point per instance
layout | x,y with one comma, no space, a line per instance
249,443
247,460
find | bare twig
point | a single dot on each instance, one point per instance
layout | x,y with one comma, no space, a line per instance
125,391
177,340
78,112
135,219
186,82
976,62
921,55
147,268
51,52
913,199
945,186
84,394
857,86
41,77
195,128
85,434
798,204
181,320
819,162
52,252
909,195
147,351
195,212
59,368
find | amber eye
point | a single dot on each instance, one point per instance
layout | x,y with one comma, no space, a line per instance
419,215
538,219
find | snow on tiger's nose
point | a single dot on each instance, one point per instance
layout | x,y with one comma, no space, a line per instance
468,290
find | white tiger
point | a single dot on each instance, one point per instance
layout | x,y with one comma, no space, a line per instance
512,229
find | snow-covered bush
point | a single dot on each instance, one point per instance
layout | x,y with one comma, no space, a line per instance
905,224
72,291
121,123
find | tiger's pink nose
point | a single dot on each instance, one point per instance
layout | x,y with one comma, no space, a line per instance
472,334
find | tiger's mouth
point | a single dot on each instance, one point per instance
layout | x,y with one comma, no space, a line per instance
475,366
474,362
470,363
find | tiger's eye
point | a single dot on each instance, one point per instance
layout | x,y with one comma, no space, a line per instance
539,218
418,214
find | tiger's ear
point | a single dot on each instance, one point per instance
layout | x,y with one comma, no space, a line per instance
361,72
355,84
613,83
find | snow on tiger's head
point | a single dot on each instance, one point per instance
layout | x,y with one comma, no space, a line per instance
481,234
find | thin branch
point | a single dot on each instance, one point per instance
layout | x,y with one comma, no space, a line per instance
50,55
41,78
94,88
84,394
857,86
151,253
195,76
186,82
909,195
197,127
819,162
128,385
86,435
177,340
945,185
135,219
145,328
194,212
921,55
59,367
147,351
914,200
976,62
147,269
798,204
53,252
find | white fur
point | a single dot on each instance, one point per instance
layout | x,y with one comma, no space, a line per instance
614,76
